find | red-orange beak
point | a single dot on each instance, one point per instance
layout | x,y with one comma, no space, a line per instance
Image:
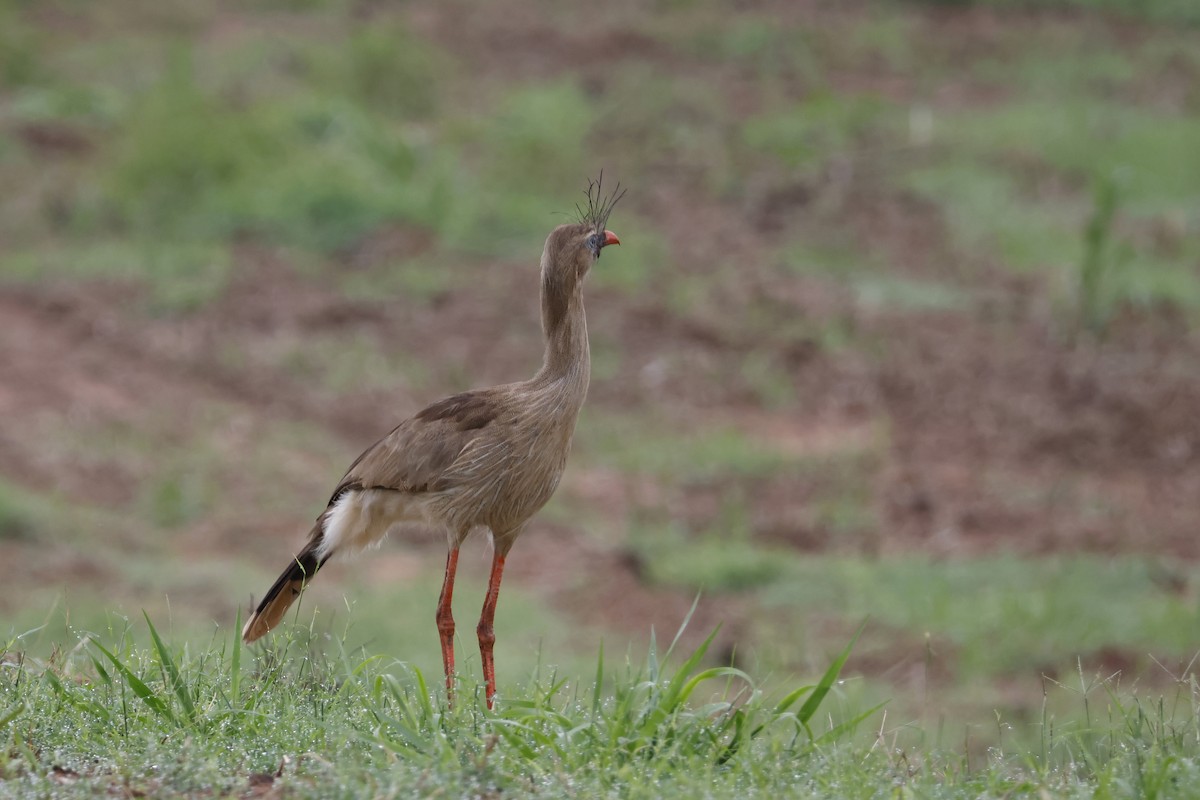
610,238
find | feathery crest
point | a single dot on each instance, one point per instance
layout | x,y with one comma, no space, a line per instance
599,206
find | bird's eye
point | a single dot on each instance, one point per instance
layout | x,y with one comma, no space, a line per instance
593,243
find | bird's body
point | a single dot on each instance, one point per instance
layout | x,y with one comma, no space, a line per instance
489,458
485,459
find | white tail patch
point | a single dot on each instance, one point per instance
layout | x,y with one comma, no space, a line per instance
362,518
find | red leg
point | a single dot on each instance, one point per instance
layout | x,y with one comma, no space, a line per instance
445,622
487,635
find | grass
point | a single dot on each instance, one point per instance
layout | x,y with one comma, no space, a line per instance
989,211
657,450
1119,240
725,560
107,714
340,362
175,277
868,277
809,134
342,148
1167,11
1098,263
17,520
141,715
1086,135
420,280
313,172
1024,614
19,44
386,68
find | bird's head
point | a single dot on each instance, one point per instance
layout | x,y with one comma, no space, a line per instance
571,249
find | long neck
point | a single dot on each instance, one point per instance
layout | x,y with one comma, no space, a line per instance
566,366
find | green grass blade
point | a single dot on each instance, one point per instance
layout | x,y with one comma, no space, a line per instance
56,684
599,681
72,698
235,663
827,681
848,725
671,697
792,697
687,618
14,711
423,694
140,689
511,729
652,658
534,711
355,673
100,670
554,689
709,674
172,670
411,740
735,744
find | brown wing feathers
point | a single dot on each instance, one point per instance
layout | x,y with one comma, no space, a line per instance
286,588
394,462
468,411
414,456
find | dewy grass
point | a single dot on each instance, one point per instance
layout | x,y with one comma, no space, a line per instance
105,716
310,719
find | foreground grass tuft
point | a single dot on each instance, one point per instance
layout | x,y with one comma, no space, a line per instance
117,716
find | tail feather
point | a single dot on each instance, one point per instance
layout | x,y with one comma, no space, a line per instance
285,590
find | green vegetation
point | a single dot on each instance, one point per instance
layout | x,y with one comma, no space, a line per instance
1158,10
722,559
316,173
386,68
316,166
222,719
16,520
86,721
999,200
809,134
1099,264
320,142
683,455
338,362
1024,613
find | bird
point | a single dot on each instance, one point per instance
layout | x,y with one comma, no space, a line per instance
487,459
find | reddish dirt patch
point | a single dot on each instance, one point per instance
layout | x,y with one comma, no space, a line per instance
604,587
1008,436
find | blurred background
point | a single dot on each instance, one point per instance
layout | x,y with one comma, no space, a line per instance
903,324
